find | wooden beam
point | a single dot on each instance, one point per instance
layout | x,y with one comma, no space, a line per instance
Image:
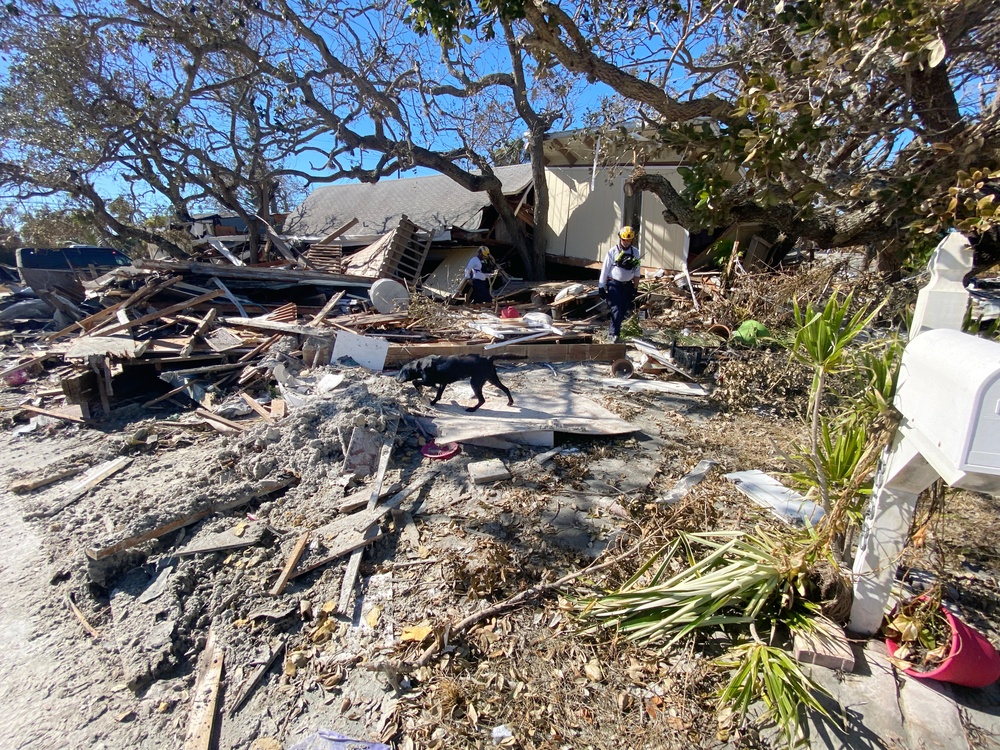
21,486
276,327
250,273
50,413
221,420
335,233
256,406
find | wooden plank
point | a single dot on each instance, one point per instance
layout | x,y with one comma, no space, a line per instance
203,325
201,720
165,396
265,488
330,304
28,364
335,233
221,420
290,563
351,574
249,273
50,413
160,313
21,486
278,408
90,479
345,546
260,348
276,327
826,645
256,406
360,499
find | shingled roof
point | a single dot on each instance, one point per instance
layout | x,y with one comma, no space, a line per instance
431,202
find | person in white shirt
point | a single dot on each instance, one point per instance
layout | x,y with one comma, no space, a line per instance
619,280
476,272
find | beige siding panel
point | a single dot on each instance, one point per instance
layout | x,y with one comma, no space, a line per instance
584,223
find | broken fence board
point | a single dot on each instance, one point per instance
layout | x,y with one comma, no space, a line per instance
256,406
90,479
201,720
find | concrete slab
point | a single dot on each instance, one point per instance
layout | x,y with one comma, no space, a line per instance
864,705
930,716
490,470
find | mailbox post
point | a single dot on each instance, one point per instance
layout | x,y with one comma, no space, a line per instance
948,394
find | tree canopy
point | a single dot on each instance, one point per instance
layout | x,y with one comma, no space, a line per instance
852,122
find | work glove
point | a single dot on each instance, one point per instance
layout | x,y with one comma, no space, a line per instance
603,292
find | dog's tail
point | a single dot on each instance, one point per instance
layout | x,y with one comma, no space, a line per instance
507,356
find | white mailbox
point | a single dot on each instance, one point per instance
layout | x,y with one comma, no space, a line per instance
949,395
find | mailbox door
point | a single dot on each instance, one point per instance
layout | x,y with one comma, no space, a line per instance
984,443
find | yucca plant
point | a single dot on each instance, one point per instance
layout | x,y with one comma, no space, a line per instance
764,672
740,575
822,343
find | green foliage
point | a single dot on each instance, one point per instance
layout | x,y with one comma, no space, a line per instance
448,19
733,583
823,336
763,672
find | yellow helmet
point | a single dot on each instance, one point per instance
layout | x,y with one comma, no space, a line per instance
627,233
484,250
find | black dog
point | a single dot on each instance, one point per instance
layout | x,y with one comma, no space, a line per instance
440,371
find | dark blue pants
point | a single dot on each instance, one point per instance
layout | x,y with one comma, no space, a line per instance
481,292
620,296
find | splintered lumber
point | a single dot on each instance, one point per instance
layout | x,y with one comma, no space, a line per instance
264,488
221,420
21,486
50,413
206,694
90,479
260,348
208,296
345,545
165,396
256,406
330,304
91,322
253,680
203,326
290,563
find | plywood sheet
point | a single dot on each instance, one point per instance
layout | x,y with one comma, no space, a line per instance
556,409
